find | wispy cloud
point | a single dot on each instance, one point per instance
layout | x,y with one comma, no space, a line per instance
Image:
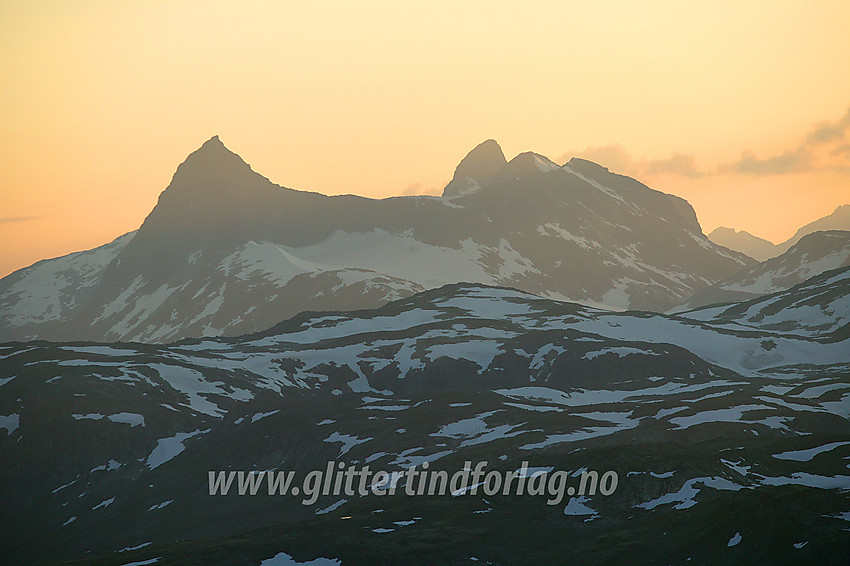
792,161
841,150
824,148
677,164
419,189
618,160
12,219
826,132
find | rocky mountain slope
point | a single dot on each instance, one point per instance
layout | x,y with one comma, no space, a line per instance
226,252
838,220
812,255
728,428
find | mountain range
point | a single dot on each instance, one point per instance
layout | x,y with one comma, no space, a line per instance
226,252
536,317
813,254
761,249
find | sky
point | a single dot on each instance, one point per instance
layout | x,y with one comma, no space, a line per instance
742,108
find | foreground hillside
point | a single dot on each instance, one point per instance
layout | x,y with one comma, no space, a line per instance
728,428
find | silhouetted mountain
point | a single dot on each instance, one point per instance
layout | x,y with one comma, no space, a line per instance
761,250
478,168
225,251
812,255
744,242
838,220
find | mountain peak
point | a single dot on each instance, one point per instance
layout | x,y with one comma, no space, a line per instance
477,169
212,187
744,242
527,163
213,142
838,220
213,146
212,168
586,167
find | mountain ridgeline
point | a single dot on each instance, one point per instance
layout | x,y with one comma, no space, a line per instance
761,250
456,337
226,252
812,255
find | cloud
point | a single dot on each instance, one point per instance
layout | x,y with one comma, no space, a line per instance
794,161
11,219
841,150
618,160
614,157
412,189
823,149
419,189
826,132
676,164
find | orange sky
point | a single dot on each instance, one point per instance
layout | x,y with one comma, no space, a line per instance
100,101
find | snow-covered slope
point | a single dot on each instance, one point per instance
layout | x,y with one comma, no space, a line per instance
51,292
107,448
226,252
812,255
817,308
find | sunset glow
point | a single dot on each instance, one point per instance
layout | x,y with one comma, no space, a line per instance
742,108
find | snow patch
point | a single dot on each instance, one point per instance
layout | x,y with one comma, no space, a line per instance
168,448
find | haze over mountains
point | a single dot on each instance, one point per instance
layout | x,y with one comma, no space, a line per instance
744,242
713,419
226,252
761,249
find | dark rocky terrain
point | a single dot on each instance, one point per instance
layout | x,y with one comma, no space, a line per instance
728,427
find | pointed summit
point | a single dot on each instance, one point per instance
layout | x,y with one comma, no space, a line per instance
211,172
213,145
212,154
212,188
477,169
214,200
213,141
